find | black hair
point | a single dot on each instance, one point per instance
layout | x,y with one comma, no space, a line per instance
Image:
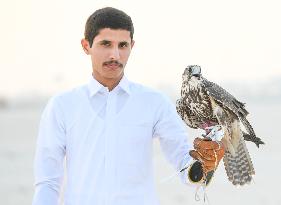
107,17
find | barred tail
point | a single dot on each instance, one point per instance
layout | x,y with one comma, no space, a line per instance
239,167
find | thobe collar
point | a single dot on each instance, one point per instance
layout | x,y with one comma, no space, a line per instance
95,86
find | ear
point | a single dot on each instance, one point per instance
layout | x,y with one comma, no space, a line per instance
132,43
85,45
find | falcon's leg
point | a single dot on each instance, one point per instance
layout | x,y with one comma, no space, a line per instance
223,119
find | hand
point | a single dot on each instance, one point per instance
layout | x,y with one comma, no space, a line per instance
209,153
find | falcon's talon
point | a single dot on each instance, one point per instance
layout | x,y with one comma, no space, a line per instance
216,133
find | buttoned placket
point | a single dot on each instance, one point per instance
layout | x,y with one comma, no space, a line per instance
109,143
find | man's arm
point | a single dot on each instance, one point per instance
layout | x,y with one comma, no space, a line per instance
170,130
49,156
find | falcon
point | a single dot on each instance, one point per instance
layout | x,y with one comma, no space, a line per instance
204,104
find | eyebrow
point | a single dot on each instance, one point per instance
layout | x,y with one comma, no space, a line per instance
107,41
104,41
124,42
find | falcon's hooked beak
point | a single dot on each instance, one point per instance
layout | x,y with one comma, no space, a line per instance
193,70
196,71
196,75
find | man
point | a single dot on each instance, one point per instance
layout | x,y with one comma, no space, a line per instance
104,129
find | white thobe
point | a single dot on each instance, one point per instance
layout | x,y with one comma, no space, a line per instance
106,138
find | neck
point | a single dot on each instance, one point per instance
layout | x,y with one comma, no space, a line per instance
110,83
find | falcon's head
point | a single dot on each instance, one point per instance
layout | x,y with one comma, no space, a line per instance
190,71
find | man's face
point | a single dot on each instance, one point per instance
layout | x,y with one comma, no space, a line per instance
109,53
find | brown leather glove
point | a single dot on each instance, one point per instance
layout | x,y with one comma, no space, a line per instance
209,153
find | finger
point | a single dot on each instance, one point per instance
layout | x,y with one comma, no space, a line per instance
199,143
209,163
208,144
220,152
208,160
207,169
207,154
195,155
208,166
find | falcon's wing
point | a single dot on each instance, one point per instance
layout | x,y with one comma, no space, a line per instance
225,98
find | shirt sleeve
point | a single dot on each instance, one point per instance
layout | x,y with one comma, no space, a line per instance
49,156
171,131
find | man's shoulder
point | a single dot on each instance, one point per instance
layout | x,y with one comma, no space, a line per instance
70,96
141,90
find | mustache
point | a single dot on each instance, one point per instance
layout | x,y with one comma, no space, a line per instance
113,62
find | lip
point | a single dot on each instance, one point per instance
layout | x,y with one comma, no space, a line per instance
113,66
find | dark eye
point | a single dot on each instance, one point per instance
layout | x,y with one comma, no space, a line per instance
105,43
123,45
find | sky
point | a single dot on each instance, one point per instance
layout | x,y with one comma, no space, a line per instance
233,41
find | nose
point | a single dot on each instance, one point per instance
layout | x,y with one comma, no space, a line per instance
114,54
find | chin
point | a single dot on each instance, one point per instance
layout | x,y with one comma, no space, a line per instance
116,75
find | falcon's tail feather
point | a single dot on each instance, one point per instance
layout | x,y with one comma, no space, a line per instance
250,136
239,167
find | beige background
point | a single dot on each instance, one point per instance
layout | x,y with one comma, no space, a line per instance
237,43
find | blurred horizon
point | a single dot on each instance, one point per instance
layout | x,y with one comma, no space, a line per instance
267,92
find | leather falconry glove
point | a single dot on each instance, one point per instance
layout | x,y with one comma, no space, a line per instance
208,152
